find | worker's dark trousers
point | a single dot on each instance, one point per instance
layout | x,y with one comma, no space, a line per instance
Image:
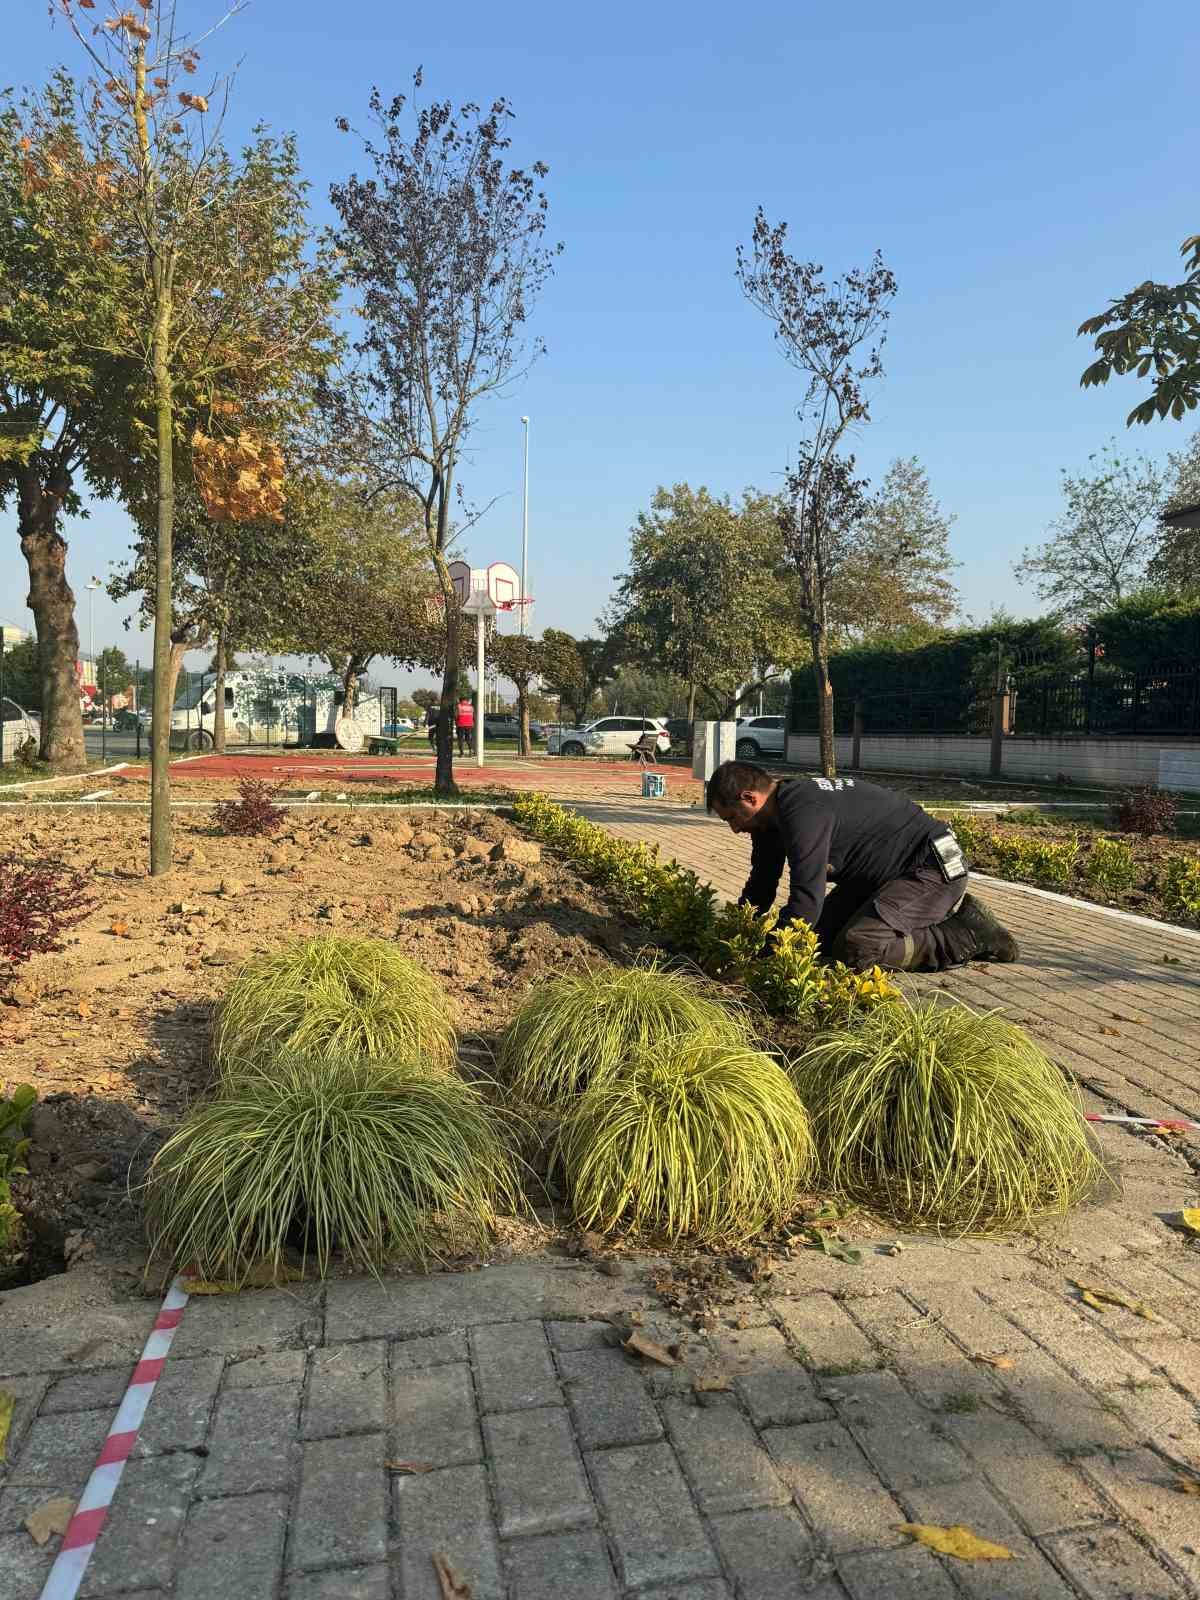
906,925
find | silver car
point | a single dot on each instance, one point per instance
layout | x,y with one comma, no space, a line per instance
16,726
761,736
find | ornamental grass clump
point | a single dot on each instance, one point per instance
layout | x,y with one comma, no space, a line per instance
936,1116
698,1140
373,1158
334,997
574,1032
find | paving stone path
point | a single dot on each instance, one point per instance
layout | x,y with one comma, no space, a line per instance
560,1468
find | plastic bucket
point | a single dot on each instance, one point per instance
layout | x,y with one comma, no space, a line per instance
654,785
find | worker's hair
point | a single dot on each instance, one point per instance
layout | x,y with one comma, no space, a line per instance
733,778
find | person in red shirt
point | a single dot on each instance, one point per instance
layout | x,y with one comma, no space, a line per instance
464,723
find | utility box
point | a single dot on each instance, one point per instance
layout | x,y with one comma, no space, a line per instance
713,742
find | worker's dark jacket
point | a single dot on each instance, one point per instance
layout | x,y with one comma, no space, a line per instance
863,833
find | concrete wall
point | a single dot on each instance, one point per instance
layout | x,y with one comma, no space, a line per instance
1114,762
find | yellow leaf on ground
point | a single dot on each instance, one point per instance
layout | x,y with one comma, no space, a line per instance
1001,1363
8,1402
1190,1217
85,1008
955,1541
1188,1485
1100,1299
52,1517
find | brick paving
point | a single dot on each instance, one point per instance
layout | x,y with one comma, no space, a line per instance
555,1466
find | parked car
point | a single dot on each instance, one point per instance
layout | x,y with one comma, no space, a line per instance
502,725
761,736
609,736
16,727
398,729
681,733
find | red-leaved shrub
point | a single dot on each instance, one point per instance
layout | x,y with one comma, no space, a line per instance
1145,810
254,813
39,901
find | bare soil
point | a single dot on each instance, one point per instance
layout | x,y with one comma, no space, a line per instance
113,1032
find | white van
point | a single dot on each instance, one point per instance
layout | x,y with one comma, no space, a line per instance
17,726
266,708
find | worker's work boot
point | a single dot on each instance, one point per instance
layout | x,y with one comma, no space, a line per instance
992,941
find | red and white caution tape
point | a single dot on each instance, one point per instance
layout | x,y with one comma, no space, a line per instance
1145,1122
66,1575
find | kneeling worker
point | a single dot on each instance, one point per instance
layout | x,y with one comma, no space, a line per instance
900,897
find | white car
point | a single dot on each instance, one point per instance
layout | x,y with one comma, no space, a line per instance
16,726
610,736
760,736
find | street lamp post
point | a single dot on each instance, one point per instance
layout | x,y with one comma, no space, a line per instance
525,532
91,589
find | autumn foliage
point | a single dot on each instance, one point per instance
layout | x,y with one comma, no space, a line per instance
240,479
254,813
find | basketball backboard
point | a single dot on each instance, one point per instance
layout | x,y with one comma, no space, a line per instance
479,603
498,581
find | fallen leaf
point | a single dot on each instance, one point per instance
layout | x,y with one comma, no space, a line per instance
119,929
717,1384
8,1402
1190,1217
85,1008
641,1344
834,1247
1100,1300
52,1517
452,1586
1001,1363
1113,1031
1188,1485
1173,961
956,1540
408,1468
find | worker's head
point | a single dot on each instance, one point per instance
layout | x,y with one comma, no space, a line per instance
739,793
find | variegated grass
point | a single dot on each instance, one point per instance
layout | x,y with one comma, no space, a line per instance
332,997
372,1158
937,1116
575,1032
693,1139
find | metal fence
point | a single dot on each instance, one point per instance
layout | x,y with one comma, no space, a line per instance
1163,703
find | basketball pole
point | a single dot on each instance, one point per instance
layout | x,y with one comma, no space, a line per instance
525,531
480,625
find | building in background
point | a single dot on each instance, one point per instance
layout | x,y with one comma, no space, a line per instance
10,634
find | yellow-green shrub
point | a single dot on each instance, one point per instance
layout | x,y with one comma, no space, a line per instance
778,965
1181,887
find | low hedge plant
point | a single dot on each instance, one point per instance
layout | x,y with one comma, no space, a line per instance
780,966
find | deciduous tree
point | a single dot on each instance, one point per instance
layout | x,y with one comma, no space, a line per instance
446,243
895,576
1102,544
832,333
1153,331
521,660
575,670
227,305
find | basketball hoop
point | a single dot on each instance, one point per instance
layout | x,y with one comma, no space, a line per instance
514,604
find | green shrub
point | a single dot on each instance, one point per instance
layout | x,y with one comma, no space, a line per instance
1110,865
1042,861
971,832
779,966
1181,888
574,1032
335,997
696,1140
14,1113
334,1152
936,1116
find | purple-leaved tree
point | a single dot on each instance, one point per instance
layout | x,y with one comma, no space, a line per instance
833,333
445,243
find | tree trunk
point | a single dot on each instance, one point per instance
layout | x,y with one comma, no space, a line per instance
522,719
219,695
53,606
443,779
165,672
824,699
691,710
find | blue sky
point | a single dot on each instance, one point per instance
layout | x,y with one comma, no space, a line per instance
1018,166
